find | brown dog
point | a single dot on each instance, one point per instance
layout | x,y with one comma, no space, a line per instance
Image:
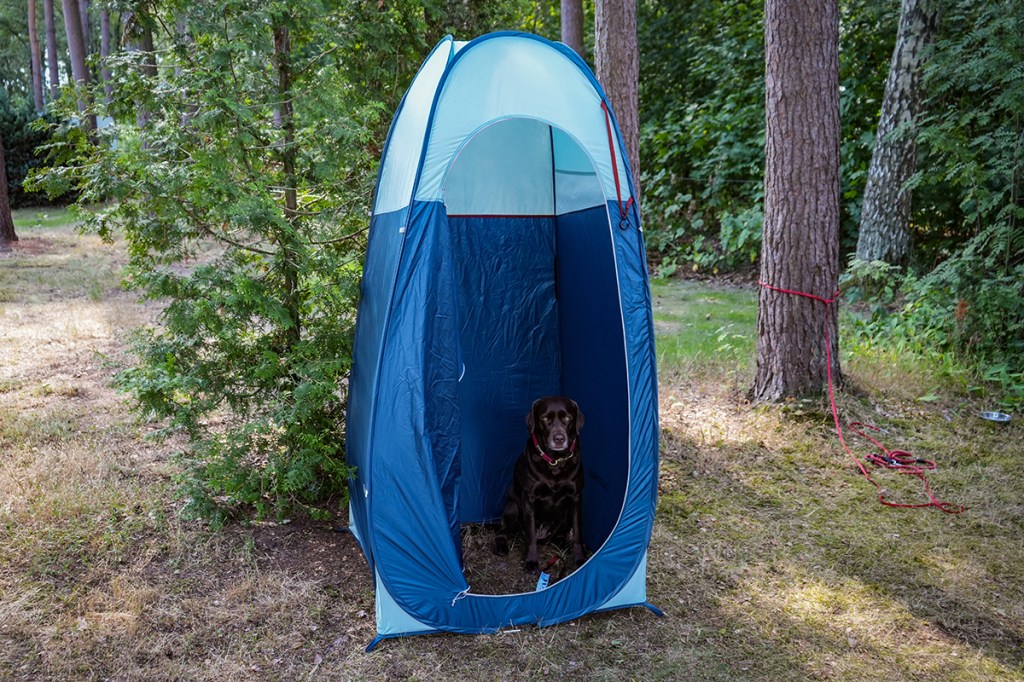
545,498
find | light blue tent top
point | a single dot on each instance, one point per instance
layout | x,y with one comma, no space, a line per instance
505,262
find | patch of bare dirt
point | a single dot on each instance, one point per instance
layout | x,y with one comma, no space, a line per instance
30,246
314,549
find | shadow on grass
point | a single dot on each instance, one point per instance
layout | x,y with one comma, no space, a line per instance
794,561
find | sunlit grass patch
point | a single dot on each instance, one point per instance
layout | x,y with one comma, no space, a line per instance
702,329
26,220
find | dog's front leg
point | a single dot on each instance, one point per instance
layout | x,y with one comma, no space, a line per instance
531,563
578,554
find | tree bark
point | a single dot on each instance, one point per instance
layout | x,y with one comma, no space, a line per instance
618,70
139,38
285,113
76,50
572,26
36,58
108,88
7,233
51,49
885,215
800,248
83,12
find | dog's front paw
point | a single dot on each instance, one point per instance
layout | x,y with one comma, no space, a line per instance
501,546
531,566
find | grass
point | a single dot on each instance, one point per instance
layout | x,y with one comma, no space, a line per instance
770,556
703,330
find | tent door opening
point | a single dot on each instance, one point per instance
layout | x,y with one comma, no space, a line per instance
538,312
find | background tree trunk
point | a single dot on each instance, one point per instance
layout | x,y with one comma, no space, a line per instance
83,13
139,38
286,242
800,249
7,233
36,57
885,215
108,88
51,49
76,50
572,26
618,70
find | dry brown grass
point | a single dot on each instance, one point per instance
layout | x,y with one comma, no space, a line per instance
770,556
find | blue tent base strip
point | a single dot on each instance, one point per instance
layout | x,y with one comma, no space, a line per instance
403,625
505,262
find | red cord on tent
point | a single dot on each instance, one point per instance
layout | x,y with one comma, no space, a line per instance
623,210
896,460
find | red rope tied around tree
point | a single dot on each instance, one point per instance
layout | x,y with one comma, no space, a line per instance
896,460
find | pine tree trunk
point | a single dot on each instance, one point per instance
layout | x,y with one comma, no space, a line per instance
618,69
800,249
289,252
139,38
885,215
36,58
76,50
83,12
572,26
51,49
7,233
108,89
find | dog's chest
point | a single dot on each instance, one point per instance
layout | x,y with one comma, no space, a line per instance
552,495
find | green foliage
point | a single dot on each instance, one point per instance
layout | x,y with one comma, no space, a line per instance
960,316
972,138
241,178
702,144
969,213
21,138
702,134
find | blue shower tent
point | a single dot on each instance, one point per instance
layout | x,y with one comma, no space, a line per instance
505,262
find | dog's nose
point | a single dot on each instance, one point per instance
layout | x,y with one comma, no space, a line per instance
559,438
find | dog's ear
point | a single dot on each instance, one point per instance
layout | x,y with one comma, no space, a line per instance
531,424
579,415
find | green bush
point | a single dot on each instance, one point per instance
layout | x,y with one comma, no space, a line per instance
22,137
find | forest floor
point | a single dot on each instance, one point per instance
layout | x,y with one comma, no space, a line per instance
771,556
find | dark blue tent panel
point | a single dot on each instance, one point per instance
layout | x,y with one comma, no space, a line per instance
505,262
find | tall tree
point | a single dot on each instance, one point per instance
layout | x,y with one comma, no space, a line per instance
572,26
77,53
36,57
51,49
83,13
138,32
7,233
885,215
800,249
108,88
618,70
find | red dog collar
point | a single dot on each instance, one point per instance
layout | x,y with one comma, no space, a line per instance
548,458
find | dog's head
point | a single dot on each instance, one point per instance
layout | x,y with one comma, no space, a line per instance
555,422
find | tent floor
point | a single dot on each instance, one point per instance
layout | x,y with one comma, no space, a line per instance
488,573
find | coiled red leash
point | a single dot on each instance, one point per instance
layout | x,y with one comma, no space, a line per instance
896,460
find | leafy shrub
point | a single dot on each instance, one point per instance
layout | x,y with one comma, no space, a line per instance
241,178
959,311
21,139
